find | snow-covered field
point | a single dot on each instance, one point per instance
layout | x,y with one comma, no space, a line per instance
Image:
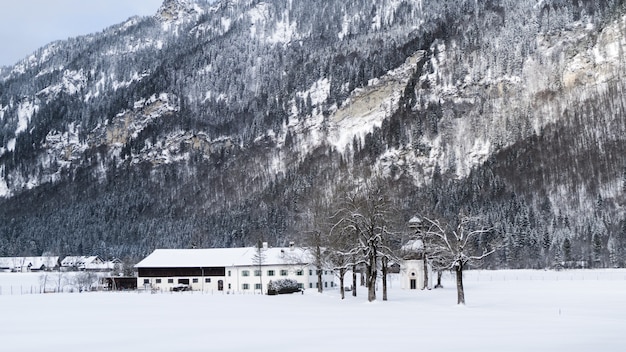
505,311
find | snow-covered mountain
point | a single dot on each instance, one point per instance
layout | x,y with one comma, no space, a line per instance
219,123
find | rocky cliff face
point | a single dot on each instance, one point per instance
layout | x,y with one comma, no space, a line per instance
220,123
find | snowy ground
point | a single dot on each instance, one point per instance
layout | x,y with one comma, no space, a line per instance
505,311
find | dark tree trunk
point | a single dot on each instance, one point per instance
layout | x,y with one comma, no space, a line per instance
459,283
372,271
371,283
320,288
439,285
384,273
425,273
342,289
318,255
354,280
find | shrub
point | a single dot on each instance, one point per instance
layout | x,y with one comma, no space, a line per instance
282,286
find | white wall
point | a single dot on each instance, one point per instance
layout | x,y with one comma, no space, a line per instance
235,280
414,270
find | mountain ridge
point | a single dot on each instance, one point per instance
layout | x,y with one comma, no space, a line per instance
226,125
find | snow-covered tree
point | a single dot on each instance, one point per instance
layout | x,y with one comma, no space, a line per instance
450,244
366,216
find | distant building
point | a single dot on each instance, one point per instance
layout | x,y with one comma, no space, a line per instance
230,270
412,275
412,270
28,264
90,263
119,283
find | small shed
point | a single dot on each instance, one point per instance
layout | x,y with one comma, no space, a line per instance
119,283
412,275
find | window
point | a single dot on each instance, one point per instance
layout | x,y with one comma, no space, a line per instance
310,272
257,273
300,272
207,280
283,272
246,286
229,286
310,285
195,281
300,286
170,281
228,272
325,283
245,273
146,281
257,286
270,273
158,281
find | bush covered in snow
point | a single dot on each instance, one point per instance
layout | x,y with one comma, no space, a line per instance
282,286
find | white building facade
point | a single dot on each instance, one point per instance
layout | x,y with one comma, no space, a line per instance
228,270
412,275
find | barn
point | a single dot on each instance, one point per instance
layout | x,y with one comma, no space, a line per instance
228,270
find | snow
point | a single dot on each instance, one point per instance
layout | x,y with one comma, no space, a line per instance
25,112
258,16
345,27
367,107
71,83
134,78
4,188
214,257
173,14
284,31
507,311
11,144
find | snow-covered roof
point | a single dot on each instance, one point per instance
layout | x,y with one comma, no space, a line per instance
81,260
413,246
218,257
34,262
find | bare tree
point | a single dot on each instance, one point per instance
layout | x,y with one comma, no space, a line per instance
341,257
364,215
317,237
315,242
340,264
450,246
258,259
43,280
84,281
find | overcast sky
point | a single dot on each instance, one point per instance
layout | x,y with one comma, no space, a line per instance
26,25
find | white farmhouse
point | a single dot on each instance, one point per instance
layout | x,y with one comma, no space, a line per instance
230,270
93,263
